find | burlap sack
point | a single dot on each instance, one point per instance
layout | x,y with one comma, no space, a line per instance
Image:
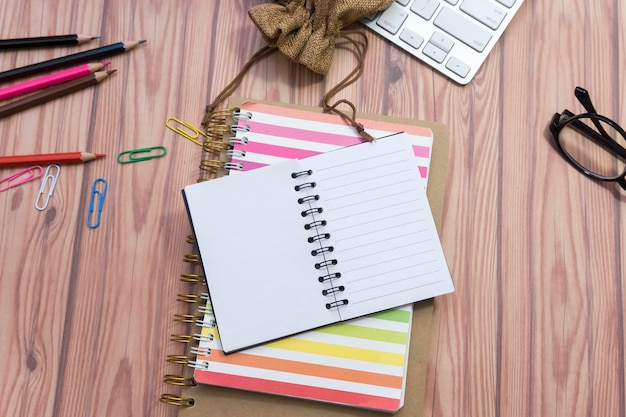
305,30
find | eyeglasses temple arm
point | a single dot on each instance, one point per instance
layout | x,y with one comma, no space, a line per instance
583,97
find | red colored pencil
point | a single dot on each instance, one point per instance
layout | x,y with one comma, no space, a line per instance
50,80
50,158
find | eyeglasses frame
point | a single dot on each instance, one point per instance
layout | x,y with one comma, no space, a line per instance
565,118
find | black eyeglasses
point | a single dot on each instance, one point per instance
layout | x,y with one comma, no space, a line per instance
594,144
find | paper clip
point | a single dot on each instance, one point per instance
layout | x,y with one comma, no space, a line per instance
95,193
32,176
132,154
48,177
192,134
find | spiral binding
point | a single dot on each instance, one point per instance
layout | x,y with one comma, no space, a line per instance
178,359
177,400
223,134
221,139
189,339
318,238
219,150
179,380
192,258
186,318
192,278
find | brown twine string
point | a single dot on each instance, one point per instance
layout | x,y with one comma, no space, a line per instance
360,51
230,88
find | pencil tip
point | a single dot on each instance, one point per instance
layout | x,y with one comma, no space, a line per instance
100,155
95,37
111,71
142,41
105,63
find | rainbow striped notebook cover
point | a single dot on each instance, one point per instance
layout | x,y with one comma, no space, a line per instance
359,363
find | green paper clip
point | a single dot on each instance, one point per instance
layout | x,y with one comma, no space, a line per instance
132,154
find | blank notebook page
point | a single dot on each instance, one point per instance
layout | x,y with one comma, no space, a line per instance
358,237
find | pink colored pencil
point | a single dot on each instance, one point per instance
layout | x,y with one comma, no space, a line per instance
50,80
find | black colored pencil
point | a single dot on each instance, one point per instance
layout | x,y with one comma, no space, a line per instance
52,93
45,41
90,55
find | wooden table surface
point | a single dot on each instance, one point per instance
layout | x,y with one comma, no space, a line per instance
536,325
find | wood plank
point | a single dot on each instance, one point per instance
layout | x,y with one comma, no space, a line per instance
536,325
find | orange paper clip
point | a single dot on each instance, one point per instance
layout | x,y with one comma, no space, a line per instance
11,179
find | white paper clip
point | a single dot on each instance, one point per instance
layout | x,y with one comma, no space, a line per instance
52,179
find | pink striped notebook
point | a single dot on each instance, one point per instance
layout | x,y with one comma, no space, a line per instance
359,363
268,134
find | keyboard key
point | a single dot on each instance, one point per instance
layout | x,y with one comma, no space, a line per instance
485,12
425,8
411,38
433,52
371,16
506,3
457,66
441,41
392,18
451,36
463,29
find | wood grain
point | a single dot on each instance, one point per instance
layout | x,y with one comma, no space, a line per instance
536,325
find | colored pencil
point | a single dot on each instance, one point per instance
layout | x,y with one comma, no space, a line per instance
50,158
90,55
52,93
50,80
45,41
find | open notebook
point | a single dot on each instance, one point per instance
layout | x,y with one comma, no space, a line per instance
307,243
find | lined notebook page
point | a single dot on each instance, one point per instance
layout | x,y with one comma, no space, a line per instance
258,260
381,228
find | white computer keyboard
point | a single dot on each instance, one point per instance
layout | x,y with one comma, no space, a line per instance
452,36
